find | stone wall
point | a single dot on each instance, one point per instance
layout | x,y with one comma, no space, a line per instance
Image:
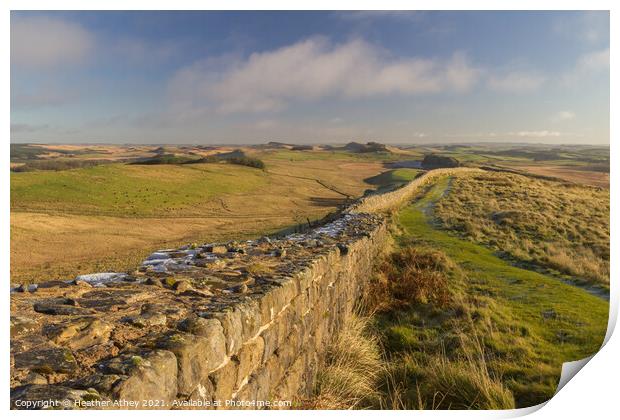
383,202
238,321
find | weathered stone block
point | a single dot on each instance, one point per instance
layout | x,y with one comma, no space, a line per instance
153,378
46,360
250,318
204,391
293,381
210,328
224,379
80,333
196,357
248,393
21,325
262,378
250,358
275,370
232,328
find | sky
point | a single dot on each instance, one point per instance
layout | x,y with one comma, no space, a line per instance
309,77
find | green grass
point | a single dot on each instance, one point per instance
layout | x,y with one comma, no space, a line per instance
130,190
528,323
553,225
395,176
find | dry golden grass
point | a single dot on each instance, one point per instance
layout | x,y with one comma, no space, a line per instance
410,276
55,246
570,173
551,224
365,370
353,370
463,382
53,243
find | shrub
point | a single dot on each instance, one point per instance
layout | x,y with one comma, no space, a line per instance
413,275
57,165
247,161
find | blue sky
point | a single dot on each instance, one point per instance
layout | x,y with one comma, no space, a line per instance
309,77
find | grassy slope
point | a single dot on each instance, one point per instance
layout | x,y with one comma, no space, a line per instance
109,217
395,176
530,323
555,225
130,190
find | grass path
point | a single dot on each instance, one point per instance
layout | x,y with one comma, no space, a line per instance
537,322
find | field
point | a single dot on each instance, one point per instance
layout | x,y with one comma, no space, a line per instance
520,323
77,208
553,225
109,216
493,278
587,165
452,324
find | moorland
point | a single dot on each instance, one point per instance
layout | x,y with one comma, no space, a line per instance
493,278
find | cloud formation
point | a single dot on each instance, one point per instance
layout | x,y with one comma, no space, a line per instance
594,61
516,82
563,116
587,65
537,134
316,69
39,42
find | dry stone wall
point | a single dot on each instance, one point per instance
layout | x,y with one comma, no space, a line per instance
194,326
383,202
203,325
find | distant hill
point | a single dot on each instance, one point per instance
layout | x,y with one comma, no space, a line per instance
279,145
369,147
302,147
434,161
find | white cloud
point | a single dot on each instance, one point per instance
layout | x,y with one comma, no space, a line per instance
315,69
562,116
587,65
516,82
594,61
39,42
537,134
